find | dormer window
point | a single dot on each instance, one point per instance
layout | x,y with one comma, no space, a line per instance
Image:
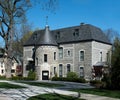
76,32
58,35
35,37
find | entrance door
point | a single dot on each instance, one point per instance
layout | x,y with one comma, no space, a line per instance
45,75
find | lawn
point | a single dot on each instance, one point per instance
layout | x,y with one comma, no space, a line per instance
53,97
43,84
9,86
101,92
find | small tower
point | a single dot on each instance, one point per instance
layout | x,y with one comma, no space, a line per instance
46,55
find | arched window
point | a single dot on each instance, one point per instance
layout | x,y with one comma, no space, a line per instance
60,70
68,52
60,52
81,71
68,68
81,55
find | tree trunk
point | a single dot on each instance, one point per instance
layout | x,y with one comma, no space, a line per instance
8,67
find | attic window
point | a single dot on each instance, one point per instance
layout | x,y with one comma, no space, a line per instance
35,37
58,35
76,32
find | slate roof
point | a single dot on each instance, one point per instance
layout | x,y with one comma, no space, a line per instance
47,38
82,33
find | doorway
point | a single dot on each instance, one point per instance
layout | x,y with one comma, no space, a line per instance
45,75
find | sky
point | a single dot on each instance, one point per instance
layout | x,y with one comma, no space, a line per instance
104,14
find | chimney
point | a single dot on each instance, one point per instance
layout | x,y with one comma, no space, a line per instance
82,23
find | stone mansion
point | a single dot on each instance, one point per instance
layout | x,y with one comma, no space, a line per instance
72,49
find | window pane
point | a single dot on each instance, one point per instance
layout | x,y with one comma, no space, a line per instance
60,70
81,55
81,72
60,53
45,57
54,55
54,70
68,53
68,68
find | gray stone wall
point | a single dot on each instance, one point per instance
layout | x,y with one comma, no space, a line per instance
98,47
50,64
67,58
86,64
27,56
71,55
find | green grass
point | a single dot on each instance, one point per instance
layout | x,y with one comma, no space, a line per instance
100,92
43,84
53,97
9,86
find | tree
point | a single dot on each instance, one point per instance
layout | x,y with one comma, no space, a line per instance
22,34
111,34
11,12
115,70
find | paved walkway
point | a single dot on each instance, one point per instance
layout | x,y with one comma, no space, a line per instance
25,93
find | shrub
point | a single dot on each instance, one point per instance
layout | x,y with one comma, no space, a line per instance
72,75
107,81
80,80
31,75
96,83
2,77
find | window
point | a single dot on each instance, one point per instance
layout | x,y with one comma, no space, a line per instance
58,35
101,56
2,71
81,71
12,71
60,70
35,37
68,68
61,53
37,61
76,32
54,55
45,57
68,53
54,70
81,55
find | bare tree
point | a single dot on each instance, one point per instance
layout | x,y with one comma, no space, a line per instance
111,34
11,12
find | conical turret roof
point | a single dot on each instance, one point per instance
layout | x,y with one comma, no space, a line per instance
47,38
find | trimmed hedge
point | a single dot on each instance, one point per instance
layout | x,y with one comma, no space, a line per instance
79,80
2,77
97,83
21,78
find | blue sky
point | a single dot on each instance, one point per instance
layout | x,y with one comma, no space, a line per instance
104,14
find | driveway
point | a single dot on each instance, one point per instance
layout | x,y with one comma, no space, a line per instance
25,93
70,85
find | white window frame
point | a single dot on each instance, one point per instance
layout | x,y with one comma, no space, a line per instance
80,55
61,71
67,68
61,57
81,72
